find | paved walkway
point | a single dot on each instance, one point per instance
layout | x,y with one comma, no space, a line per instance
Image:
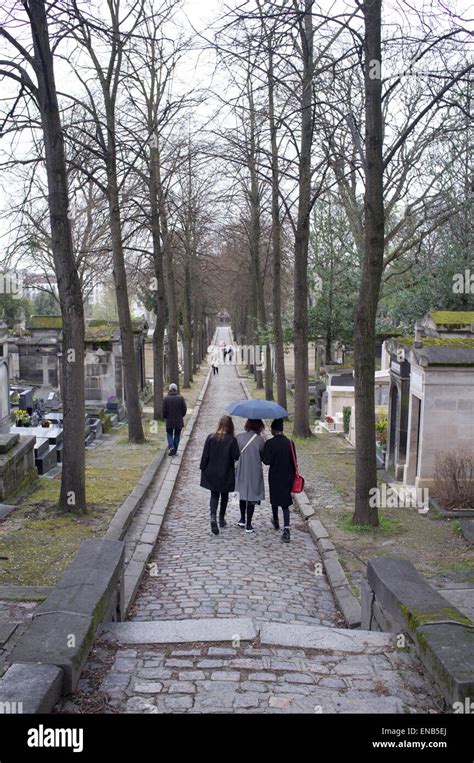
198,576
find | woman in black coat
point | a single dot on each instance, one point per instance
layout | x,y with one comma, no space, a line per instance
277,453
220,453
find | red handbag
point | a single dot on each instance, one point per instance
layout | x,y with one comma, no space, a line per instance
298,480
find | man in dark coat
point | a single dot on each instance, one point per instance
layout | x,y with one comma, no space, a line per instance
174,410
219,455
277,453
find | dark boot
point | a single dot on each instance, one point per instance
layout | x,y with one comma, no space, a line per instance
275,521
222,522
214,527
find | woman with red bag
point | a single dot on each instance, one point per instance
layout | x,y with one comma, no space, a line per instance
279,453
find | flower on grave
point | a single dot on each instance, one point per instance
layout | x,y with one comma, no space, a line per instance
112,399
22,418
329,419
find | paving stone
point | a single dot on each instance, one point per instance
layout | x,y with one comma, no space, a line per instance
140,705
261,676
225,675
181,687
148,687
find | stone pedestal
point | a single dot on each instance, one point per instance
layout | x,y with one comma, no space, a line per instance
17,463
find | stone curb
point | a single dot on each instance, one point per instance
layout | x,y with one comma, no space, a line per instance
136,567
30,688
64,626
443,636
345,599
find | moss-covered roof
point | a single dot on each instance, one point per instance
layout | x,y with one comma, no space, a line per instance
99,330
452,317
45,322
431,341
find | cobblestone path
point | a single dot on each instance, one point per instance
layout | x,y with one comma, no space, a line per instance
202,575
199,576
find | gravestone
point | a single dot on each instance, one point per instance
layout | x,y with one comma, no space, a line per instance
26,400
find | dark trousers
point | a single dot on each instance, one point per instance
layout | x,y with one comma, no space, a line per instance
215,502
286,514
174,436
246,508
215,370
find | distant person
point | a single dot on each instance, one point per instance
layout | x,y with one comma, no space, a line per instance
230,352
224,353
249,476
220,453
278,455
174,410
215,362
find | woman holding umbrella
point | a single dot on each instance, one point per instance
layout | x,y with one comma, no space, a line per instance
249,478
249,481
218,468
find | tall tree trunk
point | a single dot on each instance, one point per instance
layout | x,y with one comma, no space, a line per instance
129,366
173,365
276,239
301,423
187,339
159,331
73,493
255,233
196,327
372,270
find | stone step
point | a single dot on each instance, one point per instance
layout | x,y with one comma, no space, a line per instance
181,631
213,630
249,677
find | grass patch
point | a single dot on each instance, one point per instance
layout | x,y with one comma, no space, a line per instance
387,525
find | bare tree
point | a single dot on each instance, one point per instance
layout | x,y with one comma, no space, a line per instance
73,494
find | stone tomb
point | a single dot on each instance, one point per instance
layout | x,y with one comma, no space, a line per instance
45,458
431,404
17,465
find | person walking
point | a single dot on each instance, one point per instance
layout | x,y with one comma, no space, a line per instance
174,410
249,475
215,363
219,455
280,455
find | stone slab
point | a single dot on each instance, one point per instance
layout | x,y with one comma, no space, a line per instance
447,651
8,441
334,572
461,598
36,688
61,639
404,595
89,584
24,592
349,606
325,639
325,545
317,530
181,631
6,631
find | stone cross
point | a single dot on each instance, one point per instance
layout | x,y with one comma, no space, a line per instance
46,368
